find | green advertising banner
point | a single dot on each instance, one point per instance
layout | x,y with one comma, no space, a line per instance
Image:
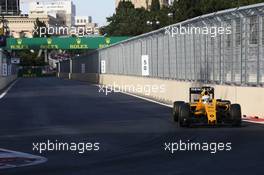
67,43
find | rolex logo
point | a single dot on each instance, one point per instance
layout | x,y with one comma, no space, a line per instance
49,40
78,40
107,40
19,41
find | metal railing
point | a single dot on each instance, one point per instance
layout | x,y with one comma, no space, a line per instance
235,58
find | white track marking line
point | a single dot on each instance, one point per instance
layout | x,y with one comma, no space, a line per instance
140,97
143,98
262,123
6,91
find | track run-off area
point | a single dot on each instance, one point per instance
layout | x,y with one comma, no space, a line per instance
122,134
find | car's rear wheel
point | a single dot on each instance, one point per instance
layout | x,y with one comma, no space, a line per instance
235,114
184,116
176,110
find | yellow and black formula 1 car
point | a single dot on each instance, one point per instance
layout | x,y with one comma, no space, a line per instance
203,108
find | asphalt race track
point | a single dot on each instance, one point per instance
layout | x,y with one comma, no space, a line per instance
131,133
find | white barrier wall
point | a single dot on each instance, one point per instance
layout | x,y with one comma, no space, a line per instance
6,72
251,99
5,81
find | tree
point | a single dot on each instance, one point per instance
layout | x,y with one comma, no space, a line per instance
155,5
40,27
210,6
127,21
29,58
247,2
185,9
130,21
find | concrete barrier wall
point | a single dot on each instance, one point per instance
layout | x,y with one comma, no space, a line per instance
251,99
5,81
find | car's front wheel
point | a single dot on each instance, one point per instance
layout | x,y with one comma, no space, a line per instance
184,115
176,110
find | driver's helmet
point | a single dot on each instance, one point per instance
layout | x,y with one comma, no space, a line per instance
206,97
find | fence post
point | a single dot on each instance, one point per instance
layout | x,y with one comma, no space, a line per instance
70,74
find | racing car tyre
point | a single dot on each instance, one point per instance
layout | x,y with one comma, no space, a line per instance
226,101
223,101
235,114
176,110
184,116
